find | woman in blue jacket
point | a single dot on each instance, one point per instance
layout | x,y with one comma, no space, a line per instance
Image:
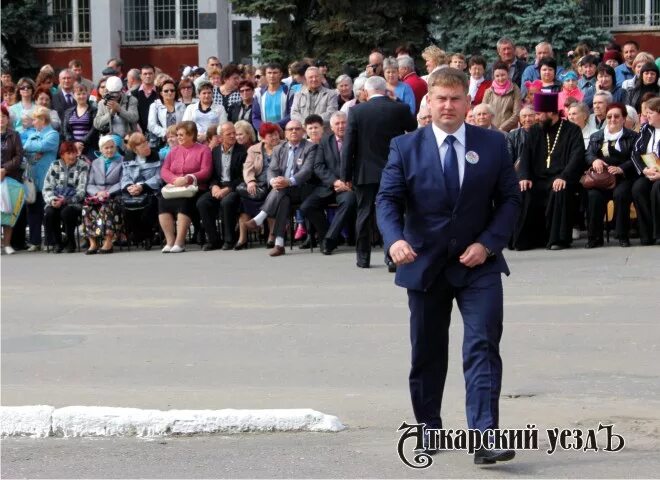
40,151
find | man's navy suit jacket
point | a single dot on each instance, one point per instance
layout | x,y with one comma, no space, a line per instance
486,210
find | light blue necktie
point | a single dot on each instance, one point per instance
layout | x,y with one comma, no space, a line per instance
289,162
452,180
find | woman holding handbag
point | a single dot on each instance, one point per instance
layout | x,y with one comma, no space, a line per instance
610,151
12,156
188,166
163,113
140,185
254,189
101,211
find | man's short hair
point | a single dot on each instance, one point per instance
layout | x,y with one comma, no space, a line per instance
75,63
65,71
314,118
505,41
544,44
298,68
344,78
631,42
449,77
526,108
147,66
582,107
133,73
118,61
604,93
272,66
406,61
375,84
653,104
484,106
230,70
336,115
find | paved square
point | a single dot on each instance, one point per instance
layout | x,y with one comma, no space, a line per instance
241,330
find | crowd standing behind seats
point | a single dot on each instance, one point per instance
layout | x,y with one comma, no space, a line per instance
241,148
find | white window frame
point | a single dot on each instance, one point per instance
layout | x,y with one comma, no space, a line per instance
639,27
152,24
74,26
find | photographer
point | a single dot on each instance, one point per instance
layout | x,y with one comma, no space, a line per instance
117,112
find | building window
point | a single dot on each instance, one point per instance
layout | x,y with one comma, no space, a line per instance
631,12
241,36
601,12
160,21
70,23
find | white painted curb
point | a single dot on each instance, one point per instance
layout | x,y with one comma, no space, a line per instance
42,421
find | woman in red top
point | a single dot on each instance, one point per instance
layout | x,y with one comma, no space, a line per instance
187,163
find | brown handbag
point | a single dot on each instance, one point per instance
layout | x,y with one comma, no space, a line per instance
601,181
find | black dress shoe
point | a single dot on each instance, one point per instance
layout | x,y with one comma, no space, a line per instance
241,246
106,251
488,457
391,266
270,244
328,246
208,247
308,243
594,243
227,246
624,242
91,251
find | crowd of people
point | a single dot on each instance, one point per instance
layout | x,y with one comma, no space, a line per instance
139,156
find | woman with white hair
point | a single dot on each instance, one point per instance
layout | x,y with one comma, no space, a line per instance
359,94
344,90
578,113
101,210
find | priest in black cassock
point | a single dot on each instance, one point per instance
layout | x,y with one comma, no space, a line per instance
550,168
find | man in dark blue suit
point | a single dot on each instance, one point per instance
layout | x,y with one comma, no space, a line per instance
447,205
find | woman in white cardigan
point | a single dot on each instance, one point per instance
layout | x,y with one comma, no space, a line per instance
205,113
164,112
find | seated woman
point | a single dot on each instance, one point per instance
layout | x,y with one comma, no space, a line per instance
10,176
41,150
646,189
187,163
255,172
172,142
79,122
101,209
504,97
610,150
140,186
245,134
64,193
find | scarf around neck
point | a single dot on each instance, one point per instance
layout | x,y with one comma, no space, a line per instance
501,89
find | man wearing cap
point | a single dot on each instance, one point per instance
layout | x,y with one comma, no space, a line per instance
551,163
446,207
117,112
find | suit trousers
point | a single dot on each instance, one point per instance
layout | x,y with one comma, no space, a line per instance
646,195
313,208
622,196
480,304
209,208
366,208
69,215
278,205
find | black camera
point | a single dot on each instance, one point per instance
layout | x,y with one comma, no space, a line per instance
112,96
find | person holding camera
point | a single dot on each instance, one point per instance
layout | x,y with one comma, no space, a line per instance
117,112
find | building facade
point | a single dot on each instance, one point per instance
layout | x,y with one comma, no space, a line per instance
166,33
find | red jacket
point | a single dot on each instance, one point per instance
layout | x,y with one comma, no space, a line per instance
419,88
478,98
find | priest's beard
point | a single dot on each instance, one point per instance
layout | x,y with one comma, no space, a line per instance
548,123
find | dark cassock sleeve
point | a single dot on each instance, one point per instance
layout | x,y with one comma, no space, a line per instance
574,151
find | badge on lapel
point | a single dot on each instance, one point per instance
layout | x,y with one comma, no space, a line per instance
299,162
472,157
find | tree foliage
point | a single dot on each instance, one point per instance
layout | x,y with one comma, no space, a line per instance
339,31
22,22
474,26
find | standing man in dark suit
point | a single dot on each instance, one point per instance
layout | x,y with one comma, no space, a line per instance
329,189
371,126
290,167
63,99
447,205
228,160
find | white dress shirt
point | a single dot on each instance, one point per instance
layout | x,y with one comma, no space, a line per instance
459,146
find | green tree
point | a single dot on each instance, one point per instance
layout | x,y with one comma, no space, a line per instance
476,26
22,22
339,31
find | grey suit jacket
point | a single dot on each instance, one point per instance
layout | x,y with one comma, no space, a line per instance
303,162
100,180
325,105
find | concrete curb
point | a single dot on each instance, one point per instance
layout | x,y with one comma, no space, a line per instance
41,421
